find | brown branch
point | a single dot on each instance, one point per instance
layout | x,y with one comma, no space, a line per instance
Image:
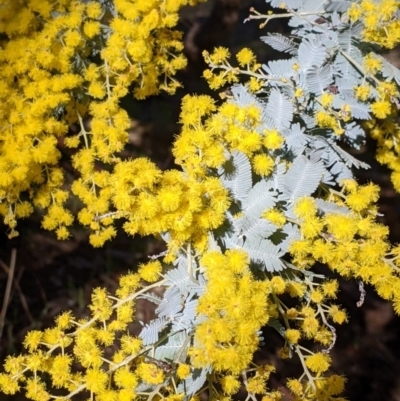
6,299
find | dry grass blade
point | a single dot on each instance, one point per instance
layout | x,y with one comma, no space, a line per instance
6,299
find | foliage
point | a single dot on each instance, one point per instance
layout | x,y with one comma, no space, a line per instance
264,193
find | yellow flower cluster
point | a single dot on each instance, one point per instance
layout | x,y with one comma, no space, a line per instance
307,320
189,203
49,81
387,135
233,308
154,202
353,244
236,307
205,136
330,118
57,351
385,129
246,59
381,25
325,389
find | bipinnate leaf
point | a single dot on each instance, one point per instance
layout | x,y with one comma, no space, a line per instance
312,54
340,6
150,332
171,305
259,198
265,252
194,382
171,348
281,43
279,109
303,177
236,175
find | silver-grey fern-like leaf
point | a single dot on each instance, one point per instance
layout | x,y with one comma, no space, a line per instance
236,175
281,43
341,171
330,207
292,233
312,54
359,110
312,5
197,288
277,179
346,70
306,24
254,227
292,4
295,139
280,68
231,240
277,325
318,79
389,71
335,154
354,135
328,178
259,198
188,316
179,276
244,97
346,40
303,177
337,22
150,332
194,382
348,159
144,387
171,305
340,6
169,350
308,120
280,109
155,299
265,252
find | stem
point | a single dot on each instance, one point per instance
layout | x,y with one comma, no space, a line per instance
83,131
391,264
189,268
297,348
243,72
121,302
285,15
354,62
107,69
6,300
303,363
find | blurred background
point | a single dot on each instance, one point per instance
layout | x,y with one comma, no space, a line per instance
52,276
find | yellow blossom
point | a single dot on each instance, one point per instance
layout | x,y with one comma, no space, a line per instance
150,271
318,362
381,108
292,336
245,57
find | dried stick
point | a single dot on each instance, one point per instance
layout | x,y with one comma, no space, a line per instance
8,290
21,295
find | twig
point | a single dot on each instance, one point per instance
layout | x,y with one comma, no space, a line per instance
6,299
331,328
363,293
269,17
153,257
19,290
